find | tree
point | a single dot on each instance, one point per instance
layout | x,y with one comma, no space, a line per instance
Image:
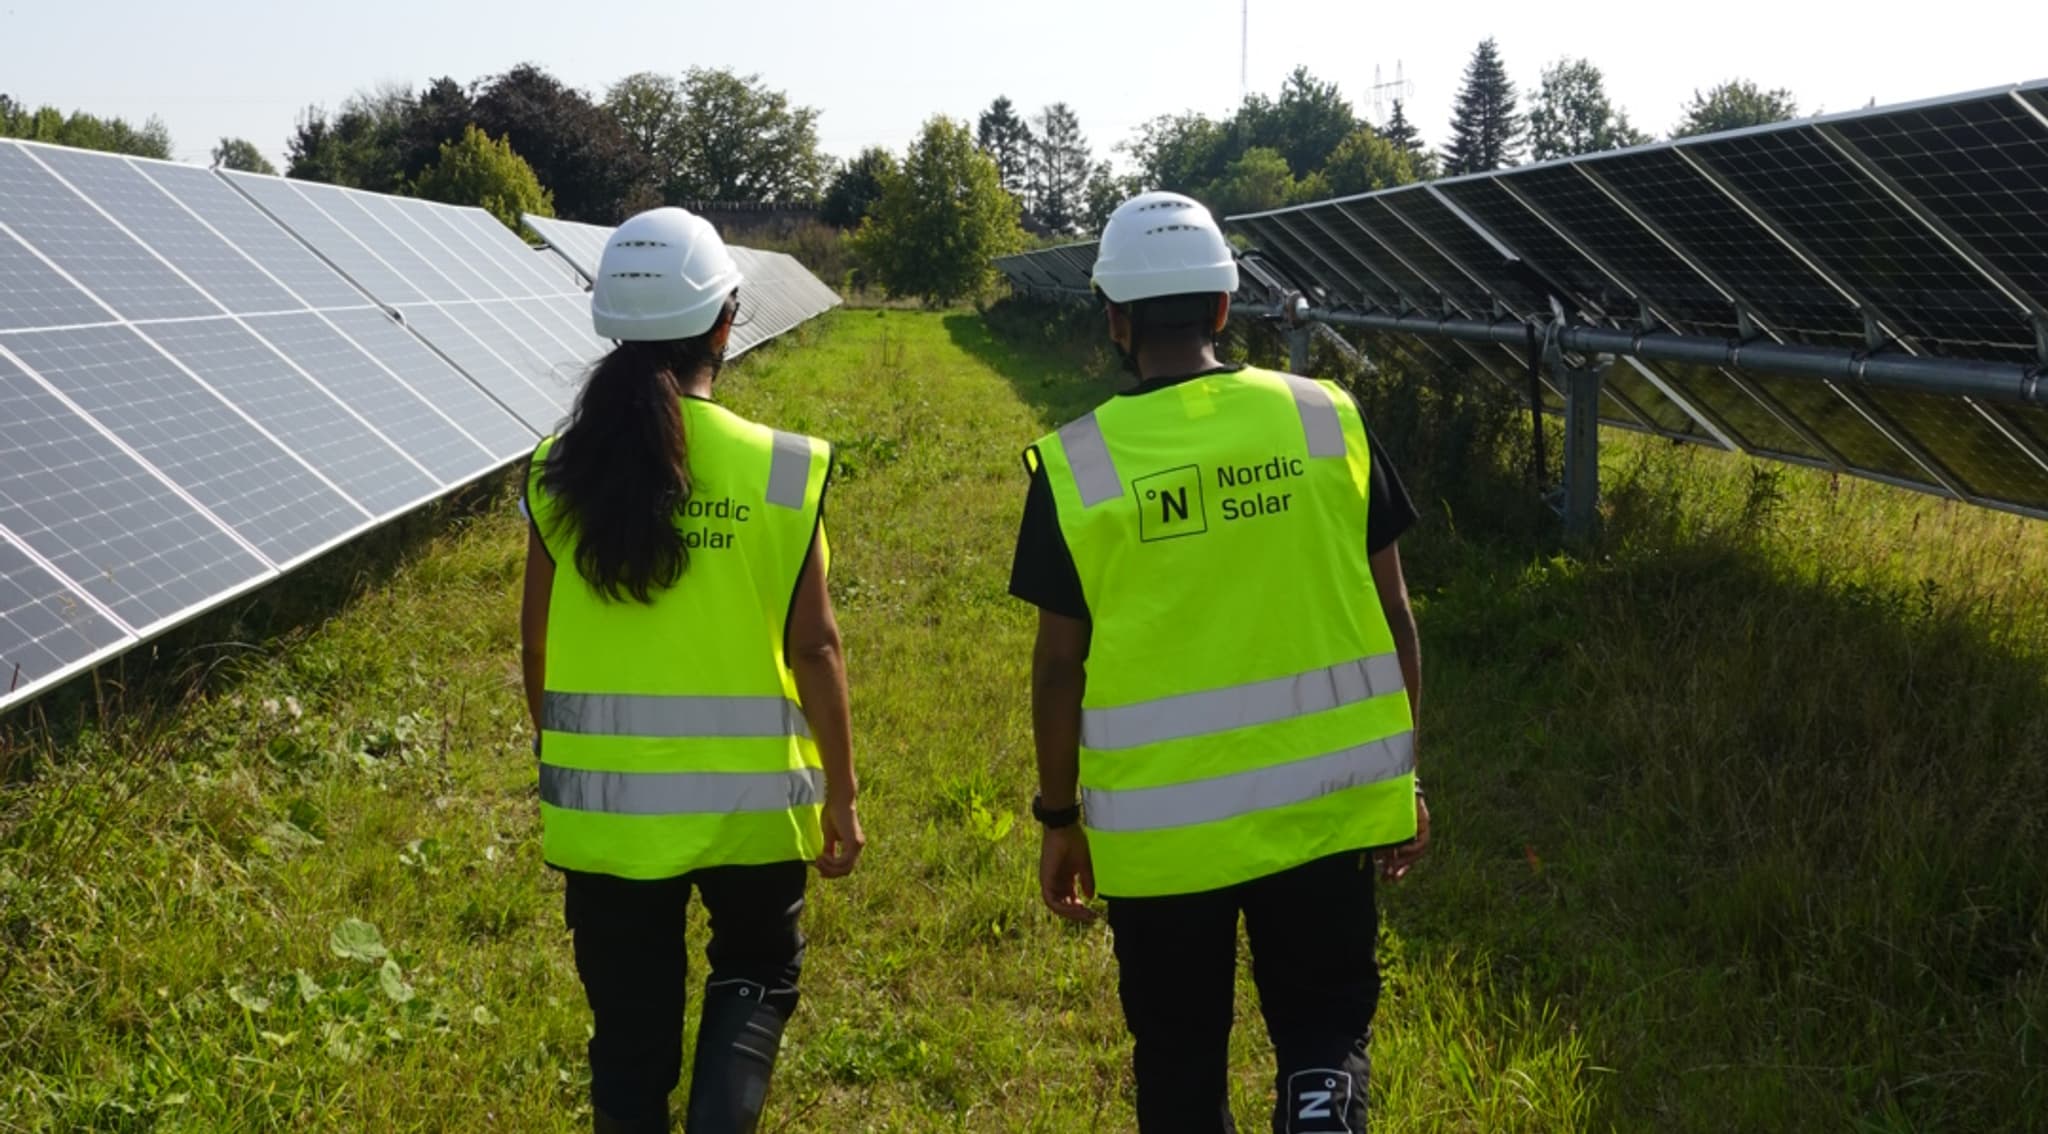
241,154
942,219
1255,182
1060,167
1572,114
1006,138
1105,192
1734,105
84,131
736,140
1307,124
1180,152
1406,138
1367,161
483,171
1486,133
577,149
649,108
856,187
362,147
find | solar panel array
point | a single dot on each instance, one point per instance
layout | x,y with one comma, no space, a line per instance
1866,292
208,379
779,292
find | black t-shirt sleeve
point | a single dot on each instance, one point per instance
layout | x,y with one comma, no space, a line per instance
1042,572
1389,512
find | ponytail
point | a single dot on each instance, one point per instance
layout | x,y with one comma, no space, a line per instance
620,471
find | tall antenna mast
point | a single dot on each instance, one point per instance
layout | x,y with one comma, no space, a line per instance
1244,57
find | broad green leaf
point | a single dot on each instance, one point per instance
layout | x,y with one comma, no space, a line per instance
392,978
357,940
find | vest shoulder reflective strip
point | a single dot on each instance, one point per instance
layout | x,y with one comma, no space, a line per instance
1243,793
1088,456
679,793
639,714
1241,706
789,470
1095,471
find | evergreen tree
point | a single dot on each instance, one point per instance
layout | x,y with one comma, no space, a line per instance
1060,168
1406,138
1005,137
1486,132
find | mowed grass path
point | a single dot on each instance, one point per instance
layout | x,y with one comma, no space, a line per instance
312,898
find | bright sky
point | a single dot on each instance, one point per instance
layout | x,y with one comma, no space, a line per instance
879,68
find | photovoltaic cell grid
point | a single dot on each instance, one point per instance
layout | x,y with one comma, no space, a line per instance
1919,230
778,293
205,382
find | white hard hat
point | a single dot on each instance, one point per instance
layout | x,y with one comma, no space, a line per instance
664,275
1160,244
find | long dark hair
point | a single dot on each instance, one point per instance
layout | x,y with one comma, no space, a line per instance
620,471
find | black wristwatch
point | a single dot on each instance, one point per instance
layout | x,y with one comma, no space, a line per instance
1055,818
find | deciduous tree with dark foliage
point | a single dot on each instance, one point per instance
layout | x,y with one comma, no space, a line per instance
577,149
737,140
241,154
856,187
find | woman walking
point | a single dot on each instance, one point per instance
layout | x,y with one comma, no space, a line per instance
683,669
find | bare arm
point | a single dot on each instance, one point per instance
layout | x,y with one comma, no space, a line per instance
1066,874
533,623
817,661
1393,594
1057,679
1395,862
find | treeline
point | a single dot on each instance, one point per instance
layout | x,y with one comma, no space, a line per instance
926,222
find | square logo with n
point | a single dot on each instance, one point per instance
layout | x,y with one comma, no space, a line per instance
1170,504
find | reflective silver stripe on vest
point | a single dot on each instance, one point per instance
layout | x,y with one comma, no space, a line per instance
789,472
679,793
1318,416
639,714
1240,706
1243,793
1088,456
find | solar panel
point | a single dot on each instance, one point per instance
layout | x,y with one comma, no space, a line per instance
97,513
580,244
492,424
46,628
206,379
214,454
88,247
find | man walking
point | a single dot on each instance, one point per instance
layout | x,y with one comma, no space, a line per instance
1224,688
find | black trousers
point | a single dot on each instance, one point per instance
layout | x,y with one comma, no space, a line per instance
1312,931
632,956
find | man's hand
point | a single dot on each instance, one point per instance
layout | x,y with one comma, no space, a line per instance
843,837
1066,876
1394,862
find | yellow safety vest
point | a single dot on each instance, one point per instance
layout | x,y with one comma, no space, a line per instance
671,734
1245,712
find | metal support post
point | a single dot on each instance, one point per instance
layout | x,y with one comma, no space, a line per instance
1581,448
1297,350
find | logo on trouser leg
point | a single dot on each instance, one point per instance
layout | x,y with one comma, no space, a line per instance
1319,1102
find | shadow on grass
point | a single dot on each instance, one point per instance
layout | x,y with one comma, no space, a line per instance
204,656
1767,829
1055,366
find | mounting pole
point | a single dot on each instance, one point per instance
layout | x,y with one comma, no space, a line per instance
1581,448
1298,327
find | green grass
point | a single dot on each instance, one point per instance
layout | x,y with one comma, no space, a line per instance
1737,816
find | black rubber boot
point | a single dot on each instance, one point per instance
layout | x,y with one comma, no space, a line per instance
737,1042
602,1123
